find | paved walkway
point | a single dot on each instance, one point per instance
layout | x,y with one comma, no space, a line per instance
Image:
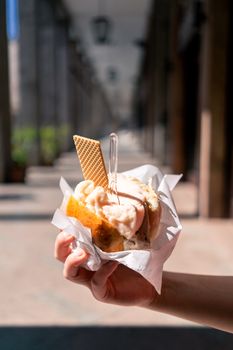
33,291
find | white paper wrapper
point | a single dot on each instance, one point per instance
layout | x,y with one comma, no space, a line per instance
149,263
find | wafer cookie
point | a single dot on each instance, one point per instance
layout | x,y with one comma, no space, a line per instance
91,160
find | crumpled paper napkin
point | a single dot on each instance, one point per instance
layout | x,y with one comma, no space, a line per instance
149,263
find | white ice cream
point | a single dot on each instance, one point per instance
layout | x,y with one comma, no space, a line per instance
124,211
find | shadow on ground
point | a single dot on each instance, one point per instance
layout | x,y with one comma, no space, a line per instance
114,338
26,217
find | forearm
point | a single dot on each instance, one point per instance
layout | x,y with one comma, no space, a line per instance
206,300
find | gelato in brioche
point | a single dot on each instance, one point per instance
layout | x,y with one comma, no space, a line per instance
128,219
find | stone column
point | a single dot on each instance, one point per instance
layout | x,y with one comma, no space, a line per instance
214,179
176,98
74,92
155,79
46,62
46,70
160,41
149,83
61,86
29,113
5,134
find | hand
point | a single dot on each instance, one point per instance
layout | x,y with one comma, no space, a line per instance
112,283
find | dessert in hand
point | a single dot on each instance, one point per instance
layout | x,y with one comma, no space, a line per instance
126,219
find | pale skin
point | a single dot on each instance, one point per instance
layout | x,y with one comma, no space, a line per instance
203,299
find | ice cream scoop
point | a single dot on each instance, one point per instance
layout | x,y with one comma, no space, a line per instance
124,220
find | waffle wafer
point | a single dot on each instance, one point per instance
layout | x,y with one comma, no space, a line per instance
91,160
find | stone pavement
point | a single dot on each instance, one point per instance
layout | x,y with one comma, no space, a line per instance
33,291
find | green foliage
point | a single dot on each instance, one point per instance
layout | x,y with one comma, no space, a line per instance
63,131
48,143
23,139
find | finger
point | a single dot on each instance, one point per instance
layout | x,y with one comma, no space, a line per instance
63,246
100,283
73,270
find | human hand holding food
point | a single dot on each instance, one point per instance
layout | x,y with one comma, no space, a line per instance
203,299
127,217
112,283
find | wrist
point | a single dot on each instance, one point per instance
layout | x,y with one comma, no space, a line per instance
161,301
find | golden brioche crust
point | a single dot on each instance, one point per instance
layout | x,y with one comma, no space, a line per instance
153,208
104,235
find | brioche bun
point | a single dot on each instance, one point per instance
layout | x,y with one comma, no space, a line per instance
112,223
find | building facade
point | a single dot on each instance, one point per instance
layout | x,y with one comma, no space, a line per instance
183,96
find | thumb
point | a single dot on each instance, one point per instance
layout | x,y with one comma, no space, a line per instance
100,285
